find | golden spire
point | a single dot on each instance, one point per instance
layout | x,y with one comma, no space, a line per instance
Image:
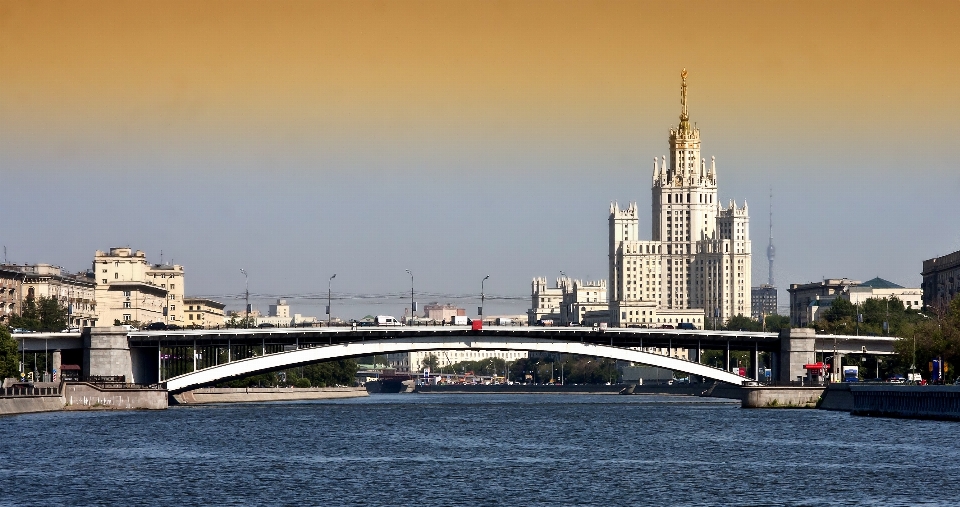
684,117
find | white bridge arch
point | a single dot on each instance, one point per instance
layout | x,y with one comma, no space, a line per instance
289,359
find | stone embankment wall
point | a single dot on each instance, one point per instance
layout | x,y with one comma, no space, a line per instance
837,397
10,405
915,402
259,394
781,397
83,396
78,396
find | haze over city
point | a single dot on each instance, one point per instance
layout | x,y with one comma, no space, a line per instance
298,140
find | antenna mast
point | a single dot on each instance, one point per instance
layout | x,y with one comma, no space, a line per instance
771,251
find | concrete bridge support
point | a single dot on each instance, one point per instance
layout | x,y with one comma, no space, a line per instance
797,348
106,353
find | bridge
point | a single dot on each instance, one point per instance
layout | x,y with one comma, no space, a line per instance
192,358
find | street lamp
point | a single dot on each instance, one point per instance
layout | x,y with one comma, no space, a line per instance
246,288
482,296
563,297
329,282
413,306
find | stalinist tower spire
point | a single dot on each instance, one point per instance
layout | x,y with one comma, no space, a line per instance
684,117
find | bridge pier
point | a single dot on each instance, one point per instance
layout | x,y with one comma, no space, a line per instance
106,353
797,348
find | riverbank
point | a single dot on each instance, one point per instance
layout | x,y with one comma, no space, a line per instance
52,397
262,394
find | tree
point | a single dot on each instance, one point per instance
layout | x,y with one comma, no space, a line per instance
8,355
41,314
432,362
742,323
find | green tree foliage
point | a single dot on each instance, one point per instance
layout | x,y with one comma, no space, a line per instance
936,334
432,362
327,374
41,314
741,323
8,355
770,324
842,318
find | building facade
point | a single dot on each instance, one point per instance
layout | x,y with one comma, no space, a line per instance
941,280
203,313
700,255
809,301
124,291
763,301
414,362
73,291
545,302
442,313
11,287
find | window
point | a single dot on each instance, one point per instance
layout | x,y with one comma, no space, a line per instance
126,304
173,286
104,280
116,276
126,293
126,317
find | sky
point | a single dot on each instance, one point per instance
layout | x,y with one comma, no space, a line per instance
457,140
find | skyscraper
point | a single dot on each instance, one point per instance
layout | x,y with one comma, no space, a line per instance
698,261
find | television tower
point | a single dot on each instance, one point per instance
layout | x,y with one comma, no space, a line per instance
771,251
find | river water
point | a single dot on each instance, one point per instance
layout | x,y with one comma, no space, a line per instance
477,450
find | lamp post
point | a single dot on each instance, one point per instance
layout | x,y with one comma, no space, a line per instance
246,289
329,293
563,298
412,305
482,296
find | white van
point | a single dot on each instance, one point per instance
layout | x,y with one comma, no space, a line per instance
459,320
386,320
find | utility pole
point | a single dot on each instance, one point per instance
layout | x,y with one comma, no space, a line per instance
329,282
246,307
413,306
482,296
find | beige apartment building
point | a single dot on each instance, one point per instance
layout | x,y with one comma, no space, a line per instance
545,301
699,259
203,312
11,284
73,291
130,289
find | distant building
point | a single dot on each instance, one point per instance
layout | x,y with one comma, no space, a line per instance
809,301
584,303
698,261
442,313
128,288
75,292
544,301
763,301
878,288
414,361
941,279
203,312
11,286
279,316
804,296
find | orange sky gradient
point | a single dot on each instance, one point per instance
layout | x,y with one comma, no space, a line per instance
527,118
94,74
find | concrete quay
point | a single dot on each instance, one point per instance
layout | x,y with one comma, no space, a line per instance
50,397
262,394
780,397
